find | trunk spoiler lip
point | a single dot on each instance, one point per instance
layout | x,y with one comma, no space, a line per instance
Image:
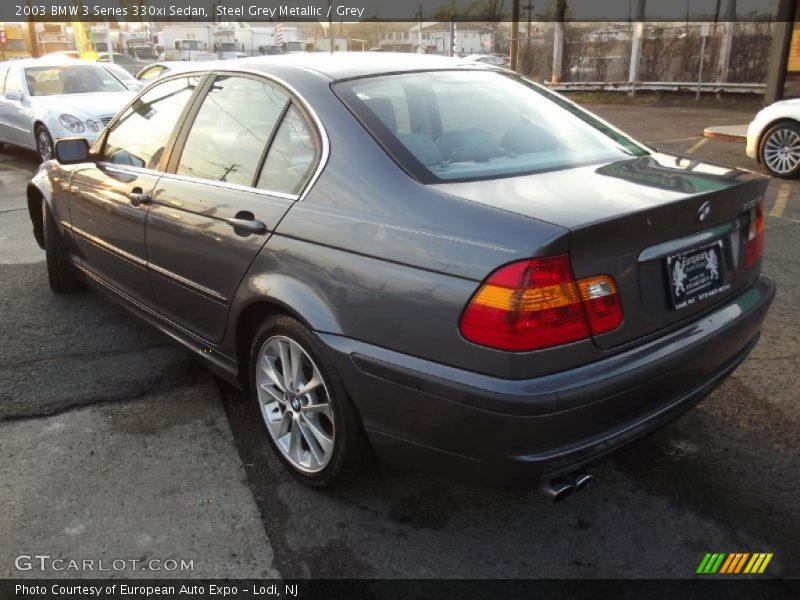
571,199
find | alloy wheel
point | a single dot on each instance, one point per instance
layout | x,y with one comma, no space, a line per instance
782,150
44,145
295,404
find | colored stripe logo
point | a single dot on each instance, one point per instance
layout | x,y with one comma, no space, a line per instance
734,563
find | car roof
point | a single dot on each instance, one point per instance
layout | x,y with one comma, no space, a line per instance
342,65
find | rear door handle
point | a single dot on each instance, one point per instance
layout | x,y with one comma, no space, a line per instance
137,197
246,226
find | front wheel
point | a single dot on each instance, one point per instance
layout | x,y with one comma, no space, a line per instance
44,143
780,150
308,417
60,272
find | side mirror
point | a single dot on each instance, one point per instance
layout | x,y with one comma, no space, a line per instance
15,95
70,151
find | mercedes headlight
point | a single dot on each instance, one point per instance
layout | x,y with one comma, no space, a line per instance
71,123
92,125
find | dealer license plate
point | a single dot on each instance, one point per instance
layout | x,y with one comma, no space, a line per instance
696,275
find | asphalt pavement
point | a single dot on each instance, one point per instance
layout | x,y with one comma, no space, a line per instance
110,428
116,448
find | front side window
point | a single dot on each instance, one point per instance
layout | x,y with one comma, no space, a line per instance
70,79
464,125
139,136
231,130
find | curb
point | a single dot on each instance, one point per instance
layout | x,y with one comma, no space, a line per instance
729,134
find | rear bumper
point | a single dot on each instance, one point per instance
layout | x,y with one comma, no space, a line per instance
514,432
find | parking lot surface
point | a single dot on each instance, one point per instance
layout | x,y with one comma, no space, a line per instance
117,444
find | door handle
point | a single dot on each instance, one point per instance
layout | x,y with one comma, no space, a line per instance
138,197
246,226
244,223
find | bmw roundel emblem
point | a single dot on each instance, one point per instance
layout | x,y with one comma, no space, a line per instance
704,211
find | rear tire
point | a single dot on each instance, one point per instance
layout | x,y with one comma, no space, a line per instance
780,150
60,272
317,434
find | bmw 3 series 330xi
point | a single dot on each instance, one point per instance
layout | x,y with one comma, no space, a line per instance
429,259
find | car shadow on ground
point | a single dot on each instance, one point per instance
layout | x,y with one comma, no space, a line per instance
681,490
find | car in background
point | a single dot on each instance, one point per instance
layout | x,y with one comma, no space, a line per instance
163,68
129,63
498,60
427,255
43,101
773,138
128,80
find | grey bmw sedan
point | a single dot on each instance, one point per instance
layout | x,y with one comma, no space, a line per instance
429,259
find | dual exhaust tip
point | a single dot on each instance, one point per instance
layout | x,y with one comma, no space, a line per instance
559,488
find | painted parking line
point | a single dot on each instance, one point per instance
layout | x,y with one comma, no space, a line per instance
700,143
686,139
780,200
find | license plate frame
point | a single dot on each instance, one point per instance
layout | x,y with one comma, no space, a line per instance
696,275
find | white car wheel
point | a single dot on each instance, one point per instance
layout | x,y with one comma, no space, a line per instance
780,150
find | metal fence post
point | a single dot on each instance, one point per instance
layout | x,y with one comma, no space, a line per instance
703,36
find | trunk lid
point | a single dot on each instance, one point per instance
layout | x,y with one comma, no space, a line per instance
634,220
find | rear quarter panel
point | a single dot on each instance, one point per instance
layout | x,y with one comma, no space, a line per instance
391,262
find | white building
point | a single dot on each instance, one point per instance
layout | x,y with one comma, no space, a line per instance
434,38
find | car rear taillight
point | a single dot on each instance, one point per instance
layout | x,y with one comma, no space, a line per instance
754,246
537,303
601,302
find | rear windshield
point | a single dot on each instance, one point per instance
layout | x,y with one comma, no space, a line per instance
468,125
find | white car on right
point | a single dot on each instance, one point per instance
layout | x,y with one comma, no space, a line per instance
773,138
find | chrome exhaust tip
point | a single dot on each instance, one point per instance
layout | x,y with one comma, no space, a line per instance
581,480
557,489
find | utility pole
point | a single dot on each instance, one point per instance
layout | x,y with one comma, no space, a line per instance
727,41
34,39
636,46
330,25
515,36
529,8
420,49
558,40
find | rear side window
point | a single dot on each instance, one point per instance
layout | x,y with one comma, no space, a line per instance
231,130
466,125
140,134
291,157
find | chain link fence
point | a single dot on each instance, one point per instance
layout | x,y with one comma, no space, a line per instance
669,52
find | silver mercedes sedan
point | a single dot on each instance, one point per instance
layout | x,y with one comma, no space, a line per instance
42,101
